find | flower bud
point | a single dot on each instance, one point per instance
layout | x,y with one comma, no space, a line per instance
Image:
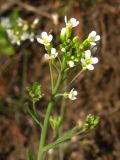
63,49
63,34
75,40
68,32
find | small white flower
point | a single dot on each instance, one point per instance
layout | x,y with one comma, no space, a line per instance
95,37
88,61
71,64
53,54
72,94
45,39
72,22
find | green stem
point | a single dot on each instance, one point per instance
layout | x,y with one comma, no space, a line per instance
51,76
48,113
62,111
34,109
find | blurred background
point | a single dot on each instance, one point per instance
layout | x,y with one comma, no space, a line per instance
99,90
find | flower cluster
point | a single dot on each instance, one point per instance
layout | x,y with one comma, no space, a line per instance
20,30
77,54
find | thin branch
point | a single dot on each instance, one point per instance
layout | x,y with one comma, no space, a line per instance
31,8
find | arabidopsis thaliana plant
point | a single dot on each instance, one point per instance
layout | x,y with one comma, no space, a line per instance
45,39
72,22
72,94
88,61
71,64
53,54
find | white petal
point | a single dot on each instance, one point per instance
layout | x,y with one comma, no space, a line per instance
73,98
39,40
71,64
87,54
44,35
75,93
82,60
92,34
97,38
90,67
50,37
72,20
65,19
94,60
53,50
76,24
93,44
72,90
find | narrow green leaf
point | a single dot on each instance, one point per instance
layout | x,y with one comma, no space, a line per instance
34,117
66,136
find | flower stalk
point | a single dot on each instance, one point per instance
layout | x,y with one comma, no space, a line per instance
48,113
